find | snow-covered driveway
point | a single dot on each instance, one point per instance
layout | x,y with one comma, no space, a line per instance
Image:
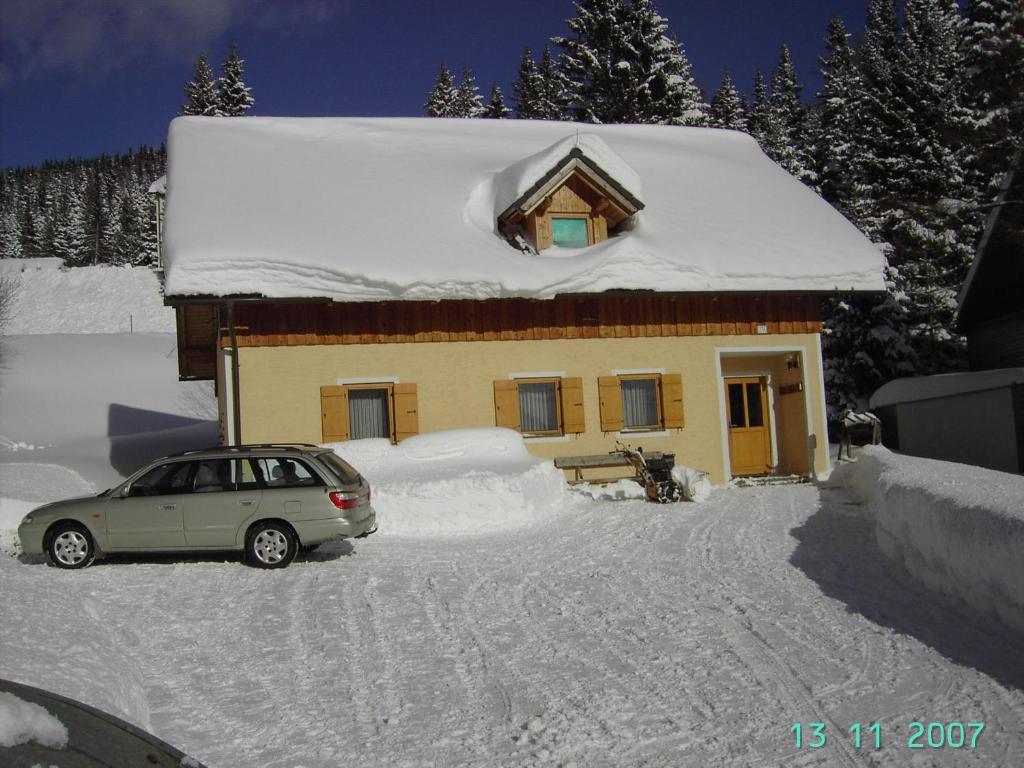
614,634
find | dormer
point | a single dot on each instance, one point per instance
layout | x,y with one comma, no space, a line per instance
572,195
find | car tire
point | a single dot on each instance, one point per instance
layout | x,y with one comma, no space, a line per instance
69,545
270,544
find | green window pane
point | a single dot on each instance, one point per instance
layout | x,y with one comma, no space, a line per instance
569,233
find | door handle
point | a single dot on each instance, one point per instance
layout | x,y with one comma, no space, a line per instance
246,502
168,506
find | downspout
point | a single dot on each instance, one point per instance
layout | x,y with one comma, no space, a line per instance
236,408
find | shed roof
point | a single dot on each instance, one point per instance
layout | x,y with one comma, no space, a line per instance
406,208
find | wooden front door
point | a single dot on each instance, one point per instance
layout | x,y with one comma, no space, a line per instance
750,444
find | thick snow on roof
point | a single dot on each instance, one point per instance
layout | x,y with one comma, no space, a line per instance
384,208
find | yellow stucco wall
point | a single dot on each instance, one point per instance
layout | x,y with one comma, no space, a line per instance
280,387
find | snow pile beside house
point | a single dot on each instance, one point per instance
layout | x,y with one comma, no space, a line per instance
460,481
99,299
959,529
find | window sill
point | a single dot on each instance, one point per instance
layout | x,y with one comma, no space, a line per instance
644,432
547,438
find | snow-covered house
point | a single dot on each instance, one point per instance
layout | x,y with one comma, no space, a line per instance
349,278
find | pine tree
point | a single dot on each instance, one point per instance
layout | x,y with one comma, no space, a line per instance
726,107
788,112
468,100
929,216
622,66
758,116
10,235
835,154
201,92
551,104
234,97
993,45
527,89
443,99
765,124
496,109
69,229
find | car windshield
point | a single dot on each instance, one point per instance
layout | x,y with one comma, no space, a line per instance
345,472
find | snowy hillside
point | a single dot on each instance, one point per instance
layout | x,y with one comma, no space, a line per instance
85,300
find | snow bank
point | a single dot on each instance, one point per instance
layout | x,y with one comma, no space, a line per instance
460,481
98,299
959,529
22,721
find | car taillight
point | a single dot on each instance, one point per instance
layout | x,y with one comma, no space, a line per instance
343,499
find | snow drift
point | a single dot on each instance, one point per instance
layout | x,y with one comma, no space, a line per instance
958,529
460,481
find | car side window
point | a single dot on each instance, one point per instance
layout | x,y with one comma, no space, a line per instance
281,472
214,475
163,480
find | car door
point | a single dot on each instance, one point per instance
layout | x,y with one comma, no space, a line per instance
225,495
150,514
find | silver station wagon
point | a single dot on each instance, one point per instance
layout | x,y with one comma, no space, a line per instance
265,500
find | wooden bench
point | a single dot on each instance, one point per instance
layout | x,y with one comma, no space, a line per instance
611,460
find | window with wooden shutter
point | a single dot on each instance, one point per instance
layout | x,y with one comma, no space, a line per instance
672,400
506,404
573,421
641,401
407,418
542,406
334,413
354,411
610,397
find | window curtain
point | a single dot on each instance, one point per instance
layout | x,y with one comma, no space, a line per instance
537,409
639,403
368,413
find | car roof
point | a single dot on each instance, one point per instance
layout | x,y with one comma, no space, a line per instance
254,449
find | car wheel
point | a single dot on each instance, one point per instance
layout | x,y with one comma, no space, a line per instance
70,546
270,545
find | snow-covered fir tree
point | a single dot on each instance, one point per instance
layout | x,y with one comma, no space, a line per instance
468,102
443,99
621,65
201,92
554,88
789,115
929,213
496,109
993,46
234,97
764,123
527,89
836,146
81,210
727,107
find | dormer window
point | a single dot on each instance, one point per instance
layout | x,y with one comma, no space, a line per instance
567,199
570,231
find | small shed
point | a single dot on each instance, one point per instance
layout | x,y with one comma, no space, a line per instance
972,417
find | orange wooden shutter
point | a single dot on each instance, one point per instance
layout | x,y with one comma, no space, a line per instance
610,395
334,413
506,403
573,421
407,417
672,400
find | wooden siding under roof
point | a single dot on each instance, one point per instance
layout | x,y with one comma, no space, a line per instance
591,317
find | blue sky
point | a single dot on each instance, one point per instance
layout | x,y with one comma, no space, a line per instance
81,77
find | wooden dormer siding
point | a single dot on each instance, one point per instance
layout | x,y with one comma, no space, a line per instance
576,196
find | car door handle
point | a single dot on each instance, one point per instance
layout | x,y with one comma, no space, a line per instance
246,502
168,506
